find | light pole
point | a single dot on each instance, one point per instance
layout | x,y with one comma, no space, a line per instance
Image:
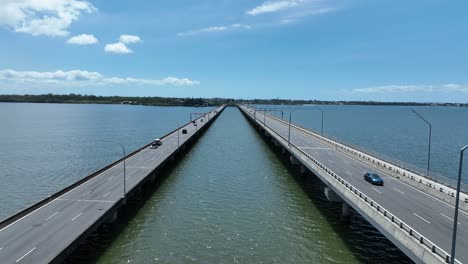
321,130
430,135
289,127
124,182
178,134
457,201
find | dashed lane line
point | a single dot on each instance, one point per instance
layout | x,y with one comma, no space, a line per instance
376,190
76,216
18,260
52,216
421,218
398,190
451,219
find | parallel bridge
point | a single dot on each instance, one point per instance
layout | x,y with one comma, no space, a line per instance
413,212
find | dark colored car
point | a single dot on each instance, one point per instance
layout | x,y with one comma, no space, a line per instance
157,142
184,131
373,178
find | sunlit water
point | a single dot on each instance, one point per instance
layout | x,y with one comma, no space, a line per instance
230,199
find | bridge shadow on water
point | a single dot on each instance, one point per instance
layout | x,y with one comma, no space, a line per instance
363,239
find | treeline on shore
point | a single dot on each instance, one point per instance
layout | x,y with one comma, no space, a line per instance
171,101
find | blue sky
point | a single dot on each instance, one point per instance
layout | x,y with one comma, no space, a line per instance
297,49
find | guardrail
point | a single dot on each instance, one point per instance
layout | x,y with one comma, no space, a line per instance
36,206
440,253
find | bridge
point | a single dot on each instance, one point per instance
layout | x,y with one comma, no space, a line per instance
412,211
48,231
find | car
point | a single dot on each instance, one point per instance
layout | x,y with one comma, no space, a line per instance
184,131
156,143
373,178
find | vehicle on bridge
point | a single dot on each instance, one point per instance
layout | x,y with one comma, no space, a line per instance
184,131
156,143
373,178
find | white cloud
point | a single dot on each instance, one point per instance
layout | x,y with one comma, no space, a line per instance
83,39
273,6
42,17
79,78
413,88
127,39
118,48
214,29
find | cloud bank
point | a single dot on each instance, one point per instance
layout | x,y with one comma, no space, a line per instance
42,17
413,88
273,6
214,29
121,46
83,39
79,78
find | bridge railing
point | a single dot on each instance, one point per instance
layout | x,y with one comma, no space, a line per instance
418,237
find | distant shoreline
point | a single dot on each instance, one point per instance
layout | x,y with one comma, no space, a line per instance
170,101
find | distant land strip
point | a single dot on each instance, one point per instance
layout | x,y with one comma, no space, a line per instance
171,101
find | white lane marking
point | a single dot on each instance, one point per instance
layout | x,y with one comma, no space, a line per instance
86,194
106,194
18,260
398,190
79,200
26,216
376,190
73,219
52,216
448,218
345,161
422,218
330,161
1,249
349,173
451,206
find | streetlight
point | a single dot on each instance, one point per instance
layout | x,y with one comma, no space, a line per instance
321,132
125,188
178,133
457,201
430,131
289,127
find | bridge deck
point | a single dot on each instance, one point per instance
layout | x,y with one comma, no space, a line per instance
426,214
43,234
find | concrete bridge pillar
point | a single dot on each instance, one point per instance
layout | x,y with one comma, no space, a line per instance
332,196
113,218
294,160
345,211
283,150
303,169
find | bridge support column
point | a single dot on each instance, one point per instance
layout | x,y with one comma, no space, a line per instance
293,160
345,211
332,196
283,150
303,169
113,218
